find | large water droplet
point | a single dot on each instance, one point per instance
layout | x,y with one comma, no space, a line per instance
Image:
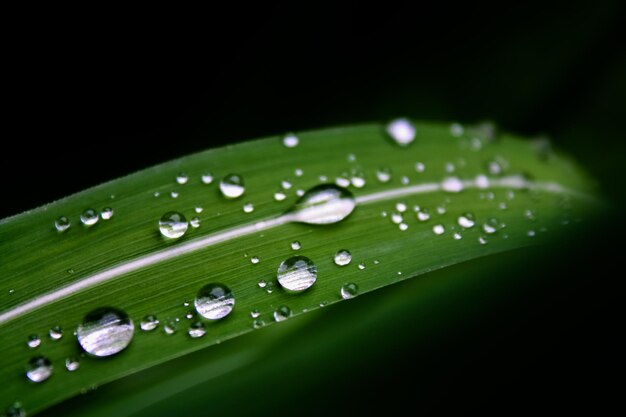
290,140
105,331
62,224
173,225
33,341
39,369
297,273
342,257
401,131
214,301
89,217
349,290
438,229
149,322
323,204
232,186
282,313
72,364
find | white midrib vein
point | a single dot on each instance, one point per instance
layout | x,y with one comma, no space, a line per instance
106,275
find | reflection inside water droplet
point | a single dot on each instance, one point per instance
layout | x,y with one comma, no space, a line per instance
39,369
105,331
297,273
214,301
323,204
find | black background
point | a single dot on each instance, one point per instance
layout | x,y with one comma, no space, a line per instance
91,95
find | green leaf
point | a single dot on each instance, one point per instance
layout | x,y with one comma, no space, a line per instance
487,193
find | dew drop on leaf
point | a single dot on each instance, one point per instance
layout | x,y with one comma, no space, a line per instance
89,217
149,323
39,369
232,186
297,273
342,257
33,341
282,313
62,224
196,330
173,225
349,290
55,333
290,140
72,364
105,331
401,131
214,301
323,204
106,213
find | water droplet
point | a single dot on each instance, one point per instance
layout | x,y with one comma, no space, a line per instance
285,184
257,324
401,207
295,245
269,288
290,140
248,208
255,260
298,172
149,323
196,330
423,215
173,225
33,341
349,290
466,220
361,266
254,313
207,178
405,180
342,257
383,175
531,233
55,333
156,194
495,167
396,218
195,222
39,369
198,209
530,214
105,331
282,313
106,213
456,130
452,185
182,178
401,131
297,273
351,157
376,261
457,236
72,364
323,204
232,186
482,240
340,181
441,210
449,167
279,196
482,182
262,283
214,301
403,227
420,167
357,180
170,327
62,224
438,229
89,217
15,410
490,226
174,194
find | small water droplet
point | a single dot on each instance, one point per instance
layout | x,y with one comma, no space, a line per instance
482,240
207,178
423,215
255,260
33,341
495,167
39,369
286,185
62,224
361,266
530,214
262,283
452,185
279,196
170,327
156,194
441,210
457,236
149,323
401,207
106,213
383,175
456,130
105,331
248,208
449,167
174,194
182,178
349,290
297,273
357,181
196,330
290,140
466,220
351,157
438,229
403,227
491,226
214,301
254,313
298,172
257,324
195,222
55,333
376,261
396,218
342,257
531,233
295,245
420,167
89,217
282,313
401,131
72,364
340,181
323,204
198,209
269,288
173,225
405,180
482,181
232,186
